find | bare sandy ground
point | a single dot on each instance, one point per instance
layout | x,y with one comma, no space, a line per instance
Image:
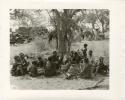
57,83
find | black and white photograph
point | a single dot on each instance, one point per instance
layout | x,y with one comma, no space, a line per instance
59,49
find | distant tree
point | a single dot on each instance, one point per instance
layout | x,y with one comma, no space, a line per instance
91,18
26,18
103,17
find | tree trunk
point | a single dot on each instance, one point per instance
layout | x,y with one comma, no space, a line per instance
62,44
103,30
61,40
93,34
69,46
57,44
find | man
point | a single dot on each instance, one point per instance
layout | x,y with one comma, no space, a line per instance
91,57
102,68
40,62
33,69
85,51
50,69
76,59
91,61
55,60
17,67
86,72
24,63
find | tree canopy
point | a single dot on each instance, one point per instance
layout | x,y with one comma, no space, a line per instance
62,24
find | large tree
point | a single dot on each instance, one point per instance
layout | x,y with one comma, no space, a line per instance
64,25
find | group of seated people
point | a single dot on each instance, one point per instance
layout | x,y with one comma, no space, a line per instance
80,63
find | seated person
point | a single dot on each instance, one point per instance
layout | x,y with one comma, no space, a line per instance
33,69
40,62
73,72
60,61
102,68
55,60
50,69
76,59
17,69
66,65
87,70
24,63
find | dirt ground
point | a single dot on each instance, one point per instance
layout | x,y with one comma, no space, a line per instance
57,83
100,48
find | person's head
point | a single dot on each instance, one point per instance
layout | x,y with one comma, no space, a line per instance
16,58
85,45
76,53
54,53
49,58
34,63
39,58
101,59
72,51
90,52
86,60
21,55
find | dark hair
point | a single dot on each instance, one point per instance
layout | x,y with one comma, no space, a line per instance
39,57
16,57
21,54
85,45
101,58
86,60
90,51
54,52
34,62
49,58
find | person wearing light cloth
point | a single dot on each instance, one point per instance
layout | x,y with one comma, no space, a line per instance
91,59
86,72
73,71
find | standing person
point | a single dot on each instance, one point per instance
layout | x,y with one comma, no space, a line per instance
91,57
85,51
91,61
